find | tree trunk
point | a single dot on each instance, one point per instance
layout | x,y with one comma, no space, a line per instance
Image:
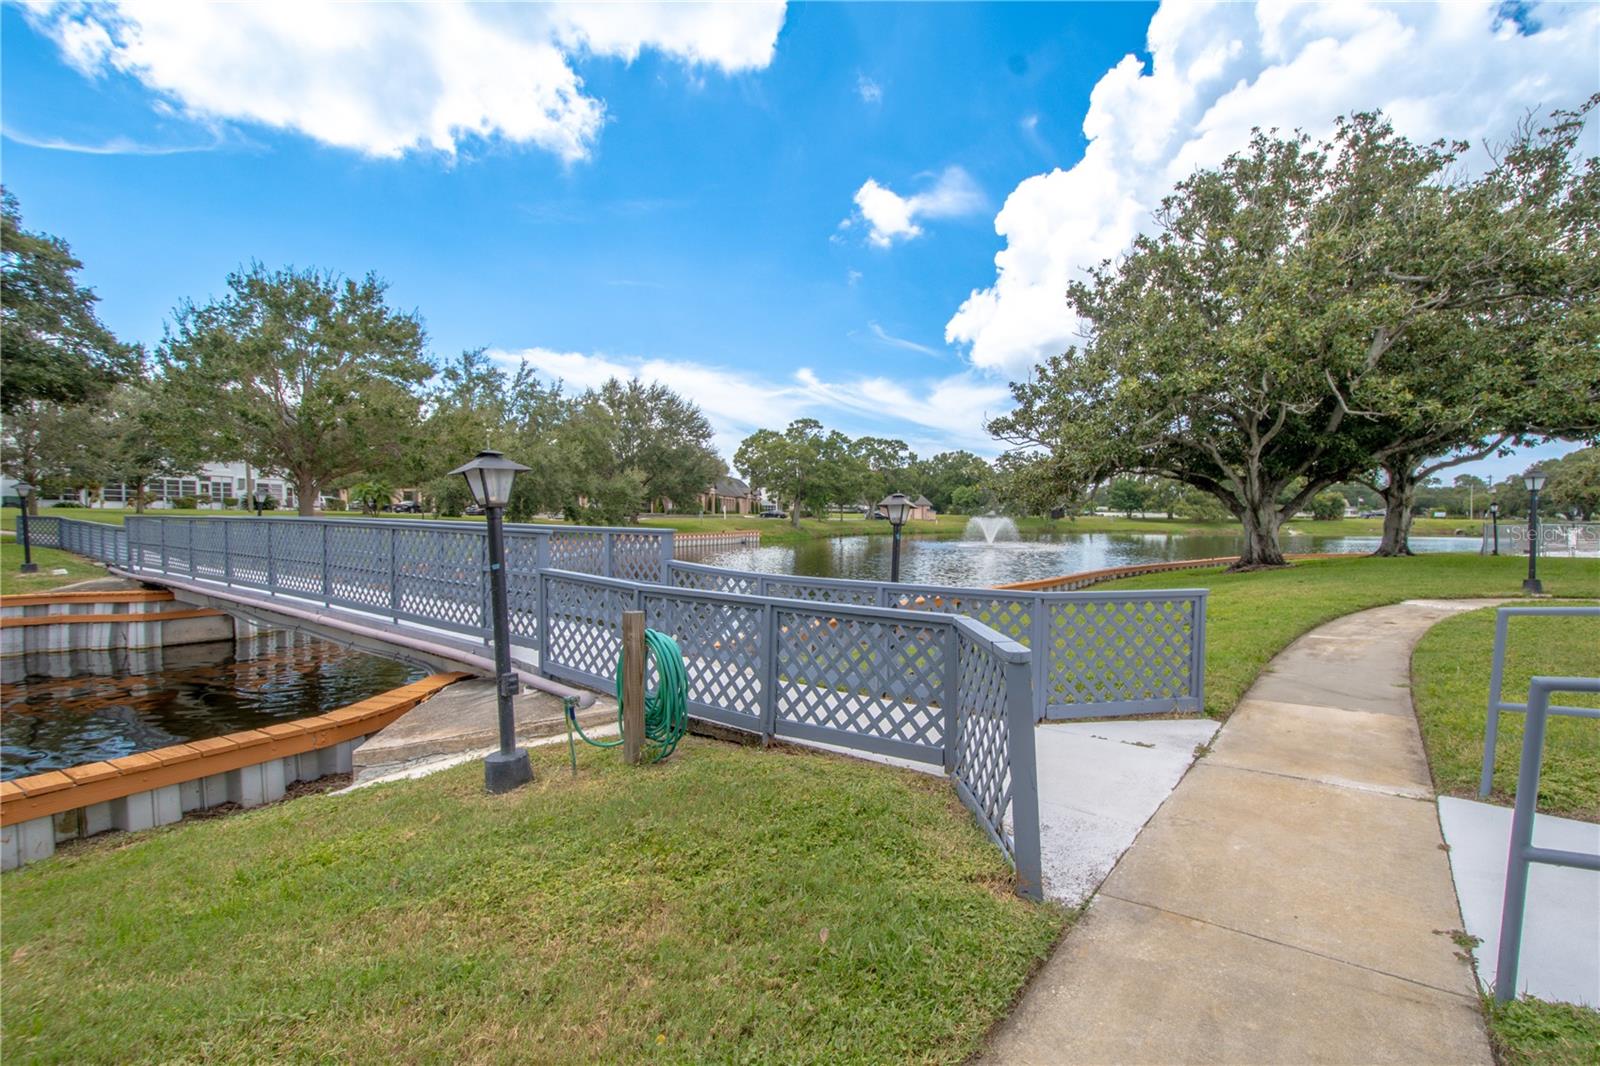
1399,494
1261,547
138,498
307,499
794,514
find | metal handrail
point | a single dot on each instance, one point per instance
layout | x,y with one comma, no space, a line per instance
1523,853
1497,668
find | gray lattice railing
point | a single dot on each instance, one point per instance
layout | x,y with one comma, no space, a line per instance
1104,653
94,540
917,685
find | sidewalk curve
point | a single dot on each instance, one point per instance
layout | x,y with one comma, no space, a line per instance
1292,900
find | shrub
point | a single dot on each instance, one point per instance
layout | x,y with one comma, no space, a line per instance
1326,506
185,503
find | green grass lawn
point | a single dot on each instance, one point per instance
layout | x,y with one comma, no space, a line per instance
1250,617
47,559
1531,1032
1450,687
730,904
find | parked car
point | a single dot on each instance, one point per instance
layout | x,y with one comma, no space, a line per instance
407,507
774,514
472,509
1371,514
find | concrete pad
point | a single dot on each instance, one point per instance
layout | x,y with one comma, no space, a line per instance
1561,928
1099,782
1353,875
1360,749
1132,984
465,717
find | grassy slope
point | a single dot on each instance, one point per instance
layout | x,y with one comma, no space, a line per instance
1251,617
47,559
1450,686
731,904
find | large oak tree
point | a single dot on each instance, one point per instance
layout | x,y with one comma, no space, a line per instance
300,372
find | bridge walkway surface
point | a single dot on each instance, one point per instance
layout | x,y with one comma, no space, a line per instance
1292,899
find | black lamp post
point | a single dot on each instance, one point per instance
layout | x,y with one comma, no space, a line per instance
489,476
260,496
897,508
23,491
1494,518
1534,480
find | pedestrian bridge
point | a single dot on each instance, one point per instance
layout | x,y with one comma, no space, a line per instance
953,677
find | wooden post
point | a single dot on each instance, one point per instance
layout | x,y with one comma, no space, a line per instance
632,686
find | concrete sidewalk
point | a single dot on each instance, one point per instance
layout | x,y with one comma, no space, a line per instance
1291,901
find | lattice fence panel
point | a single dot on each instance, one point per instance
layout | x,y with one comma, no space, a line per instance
522,584
982,741
44,531
721,645
1112,651
1010,616
638,556
712,580
359,566
873,677
585,626
297,557
247,540
179,533
439,577
208,548
580,553
862,595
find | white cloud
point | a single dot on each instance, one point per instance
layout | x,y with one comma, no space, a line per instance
935,414
384,79
1438,70
891,217
898,342
869,91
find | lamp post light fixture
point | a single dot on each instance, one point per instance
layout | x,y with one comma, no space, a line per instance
489,476
260,496
1534,481
897,508
23,491
1494,518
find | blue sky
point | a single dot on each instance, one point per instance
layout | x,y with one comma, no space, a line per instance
780,212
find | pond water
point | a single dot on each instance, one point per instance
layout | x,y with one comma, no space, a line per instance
946,561
62,709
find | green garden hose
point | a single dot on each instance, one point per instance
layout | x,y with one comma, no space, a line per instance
666,710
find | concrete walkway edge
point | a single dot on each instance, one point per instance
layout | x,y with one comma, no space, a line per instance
1292,900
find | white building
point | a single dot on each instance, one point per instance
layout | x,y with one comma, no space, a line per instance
214,483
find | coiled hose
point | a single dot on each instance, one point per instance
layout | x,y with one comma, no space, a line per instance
666,710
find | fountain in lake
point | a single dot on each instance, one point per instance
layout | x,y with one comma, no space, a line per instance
990,527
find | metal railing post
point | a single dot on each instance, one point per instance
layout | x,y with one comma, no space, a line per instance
1025,847
394,575
1522,851
327,578
609,567
951,697
1197,638
1491,731
272,569
1040,655
163,527
543,611
768,660
227,551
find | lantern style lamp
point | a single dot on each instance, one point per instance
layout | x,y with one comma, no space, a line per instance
897,508
1494,518
490,476
260,495
23,491
1533,480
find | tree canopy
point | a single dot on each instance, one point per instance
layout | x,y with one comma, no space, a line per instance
53,346
301,372
1295,317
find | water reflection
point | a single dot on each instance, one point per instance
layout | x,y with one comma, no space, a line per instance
61,709
943,561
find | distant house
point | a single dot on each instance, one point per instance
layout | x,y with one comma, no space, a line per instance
728,495
922,510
